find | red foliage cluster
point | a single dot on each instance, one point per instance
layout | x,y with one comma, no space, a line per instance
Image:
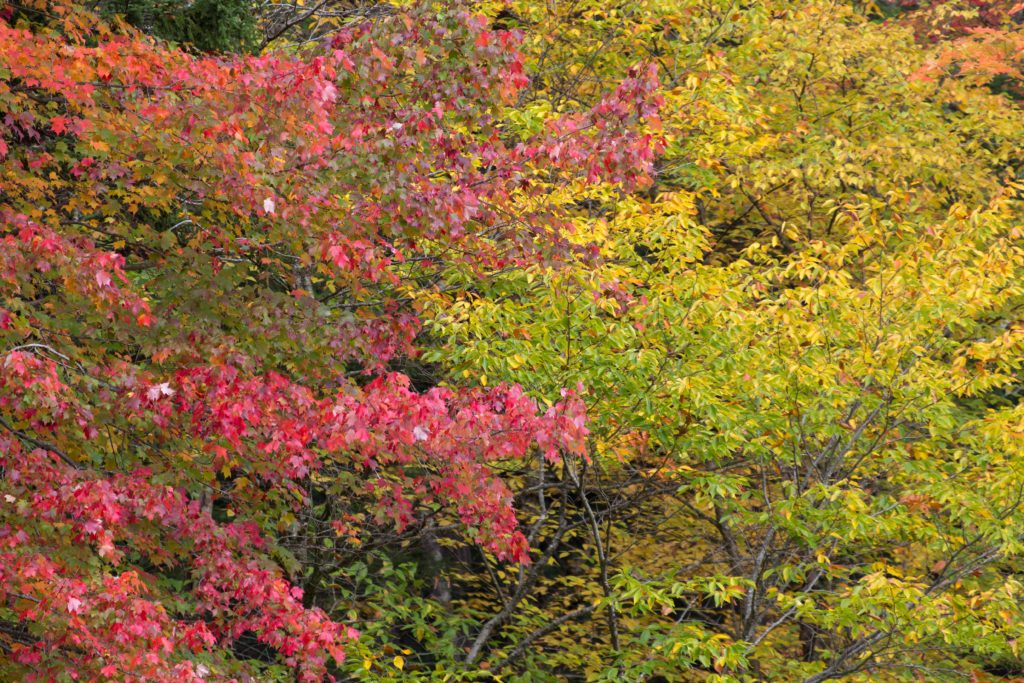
161,219
941,20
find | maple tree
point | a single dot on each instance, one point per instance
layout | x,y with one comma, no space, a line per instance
207,264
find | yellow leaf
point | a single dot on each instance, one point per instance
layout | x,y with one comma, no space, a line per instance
399,662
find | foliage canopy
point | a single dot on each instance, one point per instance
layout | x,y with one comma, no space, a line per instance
666,340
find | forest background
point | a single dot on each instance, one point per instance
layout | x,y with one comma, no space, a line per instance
660,340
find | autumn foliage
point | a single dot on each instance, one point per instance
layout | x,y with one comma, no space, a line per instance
669,340
203,266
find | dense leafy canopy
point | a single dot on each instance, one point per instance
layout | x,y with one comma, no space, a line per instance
664,340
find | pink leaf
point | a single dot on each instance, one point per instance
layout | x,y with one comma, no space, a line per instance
155,392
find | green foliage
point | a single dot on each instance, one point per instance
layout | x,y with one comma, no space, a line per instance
227,26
